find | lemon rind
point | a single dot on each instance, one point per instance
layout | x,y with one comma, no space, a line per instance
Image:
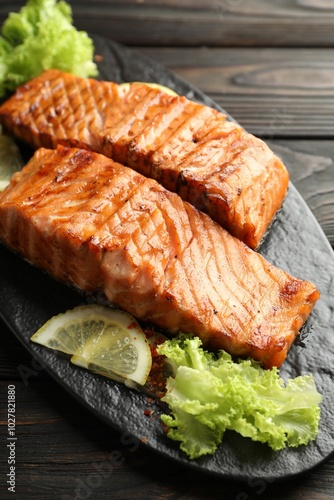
46,333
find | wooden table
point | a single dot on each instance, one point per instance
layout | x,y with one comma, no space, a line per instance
271,66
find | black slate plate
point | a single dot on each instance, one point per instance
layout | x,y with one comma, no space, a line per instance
296,243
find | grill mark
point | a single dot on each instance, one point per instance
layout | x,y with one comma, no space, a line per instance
102,94
40,196
237,170
174,227
52,185
50,133
221,130
195,287
117,212
189,182
246,305
33,116
237,291
182,126
266,269
137,113
79,115
168,120
76,120
160,250
134,242
189,270
177,265
67,91
51,109
62,119
259,180
190,299
123,135
210,287
125,108
97,119
184,293
268,204
219,272
180,116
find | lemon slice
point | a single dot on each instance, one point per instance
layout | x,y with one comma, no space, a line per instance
104,340
167,90
10,160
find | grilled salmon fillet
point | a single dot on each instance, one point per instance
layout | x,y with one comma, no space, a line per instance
101,226
189,148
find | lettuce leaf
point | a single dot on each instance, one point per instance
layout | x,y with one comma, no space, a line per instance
210,393
41,36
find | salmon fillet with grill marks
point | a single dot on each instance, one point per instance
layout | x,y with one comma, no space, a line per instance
189,148
99,225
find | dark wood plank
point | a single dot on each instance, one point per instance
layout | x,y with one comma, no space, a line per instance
194,22
214,23
12,355
311,167
271,92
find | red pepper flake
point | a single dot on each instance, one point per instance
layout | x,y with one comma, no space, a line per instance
148,413
144,440
156,382
98,58
149,332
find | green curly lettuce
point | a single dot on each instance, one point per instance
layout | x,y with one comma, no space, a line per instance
209,394
41,36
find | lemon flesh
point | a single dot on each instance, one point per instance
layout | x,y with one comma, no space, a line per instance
104,340
157,86
10,160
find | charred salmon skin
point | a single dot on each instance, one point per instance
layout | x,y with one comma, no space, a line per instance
189,148
100,226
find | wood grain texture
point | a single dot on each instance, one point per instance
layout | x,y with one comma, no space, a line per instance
213,23
311,167
271,92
